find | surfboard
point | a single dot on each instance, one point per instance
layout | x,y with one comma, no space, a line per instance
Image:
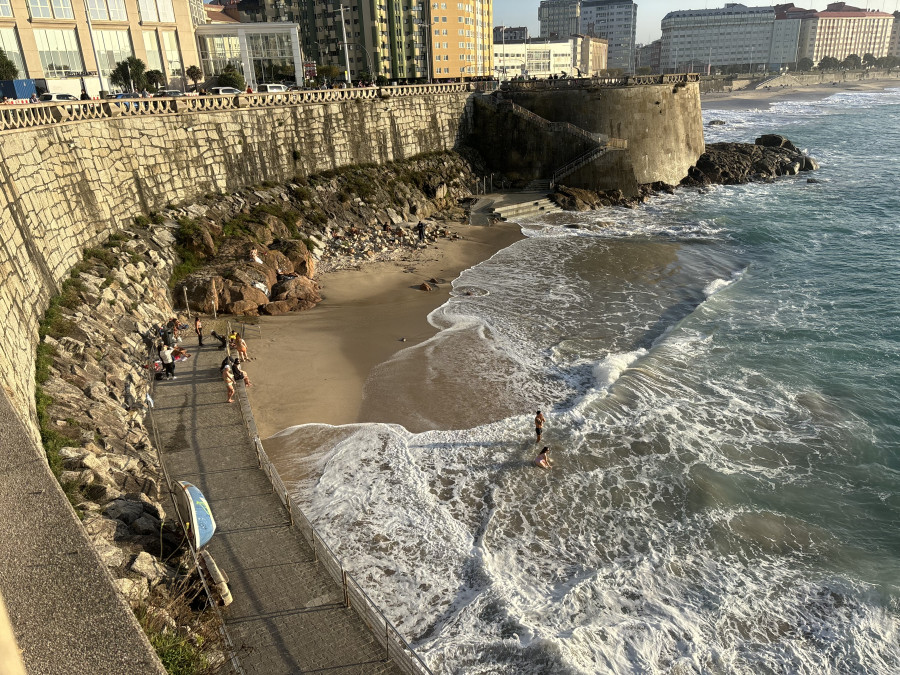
196,515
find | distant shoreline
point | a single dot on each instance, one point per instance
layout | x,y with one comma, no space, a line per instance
763,98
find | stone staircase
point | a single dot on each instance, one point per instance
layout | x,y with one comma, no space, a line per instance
601,143
523,209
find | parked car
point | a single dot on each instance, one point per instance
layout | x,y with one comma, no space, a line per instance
124,95
168,93
50,98
224,91
271,88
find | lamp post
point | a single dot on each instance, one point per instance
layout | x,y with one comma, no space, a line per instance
87,15
368,57
341,9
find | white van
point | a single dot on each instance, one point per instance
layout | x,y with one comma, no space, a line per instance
271,88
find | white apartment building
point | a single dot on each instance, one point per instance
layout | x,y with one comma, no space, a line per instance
734,35
894,46
616,21
579,56
842,30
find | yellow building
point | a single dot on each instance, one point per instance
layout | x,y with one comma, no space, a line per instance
462,39
50,39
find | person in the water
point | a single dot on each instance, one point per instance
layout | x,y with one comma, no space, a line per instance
543,459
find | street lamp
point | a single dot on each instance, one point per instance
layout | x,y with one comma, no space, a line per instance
368,57
341,9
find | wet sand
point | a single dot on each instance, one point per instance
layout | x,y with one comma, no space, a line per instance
311,366
763,98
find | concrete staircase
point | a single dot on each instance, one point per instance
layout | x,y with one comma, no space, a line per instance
523,209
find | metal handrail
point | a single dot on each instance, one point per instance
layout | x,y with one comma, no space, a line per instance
404,656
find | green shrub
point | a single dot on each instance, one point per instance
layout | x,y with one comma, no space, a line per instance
100,255
156,218
142,221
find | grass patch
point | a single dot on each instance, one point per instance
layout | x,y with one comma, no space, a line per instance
100,255
188,240
142,221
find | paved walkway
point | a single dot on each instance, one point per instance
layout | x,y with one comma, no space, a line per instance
67,616
288,615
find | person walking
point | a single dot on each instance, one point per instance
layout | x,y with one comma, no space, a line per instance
228,378
168,361
539,425
198,329
421,229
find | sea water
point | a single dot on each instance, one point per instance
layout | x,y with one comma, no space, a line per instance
719,372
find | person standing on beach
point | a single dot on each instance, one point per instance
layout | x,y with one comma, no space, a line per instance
241,347
539,425
421,229
168,361
198,329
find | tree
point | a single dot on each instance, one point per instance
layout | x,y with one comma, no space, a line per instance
327,72
155,78
230,77
869,59
8,70
829,63
805,64
194,74
852,62
130,74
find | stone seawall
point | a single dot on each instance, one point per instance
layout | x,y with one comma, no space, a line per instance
662,123
68,186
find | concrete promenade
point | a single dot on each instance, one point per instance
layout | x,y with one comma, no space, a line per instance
288,615
66,614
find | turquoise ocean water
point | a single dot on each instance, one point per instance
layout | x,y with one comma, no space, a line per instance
719,370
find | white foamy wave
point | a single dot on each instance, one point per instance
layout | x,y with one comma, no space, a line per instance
717,285
611,368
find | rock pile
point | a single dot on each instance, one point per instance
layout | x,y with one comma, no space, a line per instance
734,163
259,249
92,397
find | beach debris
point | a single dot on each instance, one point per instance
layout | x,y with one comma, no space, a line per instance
425,286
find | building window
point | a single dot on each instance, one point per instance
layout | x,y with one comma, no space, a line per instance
173,54
62,9
113,46
151,46
58,51
40,9
97,10
9,43
148,11
117,10
5,8
166,12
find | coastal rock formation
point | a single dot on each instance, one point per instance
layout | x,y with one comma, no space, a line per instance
92,399
734,163
257,251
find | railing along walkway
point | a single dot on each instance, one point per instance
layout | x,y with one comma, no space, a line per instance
288,614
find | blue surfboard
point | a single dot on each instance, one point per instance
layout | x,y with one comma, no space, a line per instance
197,517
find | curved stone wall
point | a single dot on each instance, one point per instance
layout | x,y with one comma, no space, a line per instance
662,123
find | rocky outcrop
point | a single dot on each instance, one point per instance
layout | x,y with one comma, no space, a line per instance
258,251
92,398
734,163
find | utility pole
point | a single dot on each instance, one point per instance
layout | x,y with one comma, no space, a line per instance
346,48
87,14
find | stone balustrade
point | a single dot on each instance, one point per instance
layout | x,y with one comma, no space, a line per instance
47,114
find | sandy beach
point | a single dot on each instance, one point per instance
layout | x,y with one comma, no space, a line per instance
311,366
762,98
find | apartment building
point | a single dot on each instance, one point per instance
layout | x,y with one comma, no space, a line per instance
51,41
461,40
647,56
616,21
759,38
894,46
578,56
842,30
395,39
559,19
510,33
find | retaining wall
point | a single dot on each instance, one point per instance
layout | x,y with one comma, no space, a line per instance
662,123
